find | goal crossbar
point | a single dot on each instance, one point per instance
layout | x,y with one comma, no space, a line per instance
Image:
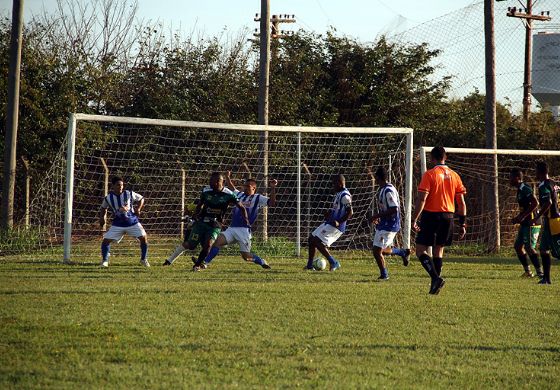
248,127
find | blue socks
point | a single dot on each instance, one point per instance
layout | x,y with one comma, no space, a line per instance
398,252
332,260
143,250
105,251
257,259
384,273
213,253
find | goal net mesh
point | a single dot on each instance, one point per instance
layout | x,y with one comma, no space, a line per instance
163,162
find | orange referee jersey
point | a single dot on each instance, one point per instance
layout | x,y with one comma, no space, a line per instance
442,184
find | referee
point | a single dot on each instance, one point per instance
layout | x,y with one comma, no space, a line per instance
438,191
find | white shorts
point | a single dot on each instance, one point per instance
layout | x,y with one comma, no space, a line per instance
383,239
117,232
241,235
328,234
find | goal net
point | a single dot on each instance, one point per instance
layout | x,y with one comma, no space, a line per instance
475,166
169,162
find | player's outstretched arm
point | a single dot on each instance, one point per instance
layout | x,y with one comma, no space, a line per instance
229,182
272,184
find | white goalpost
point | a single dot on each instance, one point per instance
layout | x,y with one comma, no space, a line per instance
476,170
169,162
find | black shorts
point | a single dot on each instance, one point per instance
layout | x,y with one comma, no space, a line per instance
435,229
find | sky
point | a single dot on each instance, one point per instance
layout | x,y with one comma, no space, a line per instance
360,19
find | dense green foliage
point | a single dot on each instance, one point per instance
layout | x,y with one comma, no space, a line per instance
328,79
238,326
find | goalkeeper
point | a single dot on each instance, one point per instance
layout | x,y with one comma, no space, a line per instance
213,204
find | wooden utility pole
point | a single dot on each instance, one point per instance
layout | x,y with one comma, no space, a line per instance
265,34
264,77
490,123
27,198
527,14
10,144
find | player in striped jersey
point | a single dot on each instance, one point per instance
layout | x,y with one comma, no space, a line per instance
239,231
125,220
388,224
334,226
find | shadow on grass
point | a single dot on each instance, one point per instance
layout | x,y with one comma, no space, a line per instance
482,260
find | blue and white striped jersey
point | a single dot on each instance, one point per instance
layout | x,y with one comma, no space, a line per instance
122,207
252,204
387,198
342,201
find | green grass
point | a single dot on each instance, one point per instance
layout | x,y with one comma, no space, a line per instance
238,326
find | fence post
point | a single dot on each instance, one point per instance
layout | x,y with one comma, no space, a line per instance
27,177
183,196
298,211
105,183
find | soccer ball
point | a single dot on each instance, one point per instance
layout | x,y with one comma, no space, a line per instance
319,264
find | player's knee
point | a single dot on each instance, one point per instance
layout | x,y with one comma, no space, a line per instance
544,253
246,256
518,249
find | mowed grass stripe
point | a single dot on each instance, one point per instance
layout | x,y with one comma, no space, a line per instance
236,325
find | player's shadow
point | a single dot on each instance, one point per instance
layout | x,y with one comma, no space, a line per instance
481,260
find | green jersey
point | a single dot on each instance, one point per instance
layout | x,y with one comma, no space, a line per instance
215,204
548,192
524,196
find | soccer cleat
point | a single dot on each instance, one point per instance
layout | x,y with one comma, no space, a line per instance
144,262
166,263
437,285
104,263
306,268
197,268
527,274
265,265
540,273
383,278
335,266
544,281
406,258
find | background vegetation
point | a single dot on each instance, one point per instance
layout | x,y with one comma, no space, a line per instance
96,57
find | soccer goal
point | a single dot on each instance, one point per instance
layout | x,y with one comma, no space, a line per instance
485,232
169,162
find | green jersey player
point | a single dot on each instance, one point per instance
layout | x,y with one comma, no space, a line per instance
548,200
210,210
529,229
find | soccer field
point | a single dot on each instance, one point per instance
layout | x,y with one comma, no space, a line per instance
238,326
